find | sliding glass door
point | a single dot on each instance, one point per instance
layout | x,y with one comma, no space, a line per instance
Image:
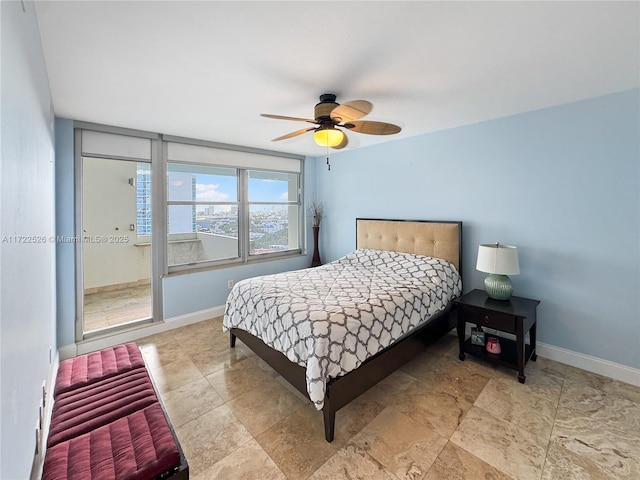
116,243
117,277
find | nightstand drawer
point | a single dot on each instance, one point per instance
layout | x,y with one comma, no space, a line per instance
484,318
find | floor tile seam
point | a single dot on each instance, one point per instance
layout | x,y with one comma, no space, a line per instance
257,385
610,395
215,408
205,375
517,427
237,448
546,448
555,414
551,441
217,392
430,427
216,370
276,463
188,383
161,365
364,452
162,394
600,423
480,459
173,387
154,365
438,455
228,402
603,468
222,347
173,343
555,410
428,370
375,460
194,418
433,464
602,426
441,390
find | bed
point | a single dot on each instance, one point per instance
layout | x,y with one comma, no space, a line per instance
336,330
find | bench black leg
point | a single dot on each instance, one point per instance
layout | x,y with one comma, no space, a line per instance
232,340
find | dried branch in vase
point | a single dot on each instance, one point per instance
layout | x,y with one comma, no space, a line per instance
316,210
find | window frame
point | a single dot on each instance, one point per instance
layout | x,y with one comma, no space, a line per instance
244,257
196,203
102,141
253,257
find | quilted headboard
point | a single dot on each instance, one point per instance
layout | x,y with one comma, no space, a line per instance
432,238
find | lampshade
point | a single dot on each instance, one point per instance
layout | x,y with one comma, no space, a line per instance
498,261
497,258
328,136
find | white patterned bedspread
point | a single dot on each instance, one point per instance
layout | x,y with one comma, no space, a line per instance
330,319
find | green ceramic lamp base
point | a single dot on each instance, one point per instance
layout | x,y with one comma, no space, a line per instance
498,287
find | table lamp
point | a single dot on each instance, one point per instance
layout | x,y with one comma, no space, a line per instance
498,261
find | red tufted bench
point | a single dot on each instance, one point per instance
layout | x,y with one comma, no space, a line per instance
93,367
108,423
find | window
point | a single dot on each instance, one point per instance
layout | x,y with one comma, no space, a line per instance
273,212
227,206
202,214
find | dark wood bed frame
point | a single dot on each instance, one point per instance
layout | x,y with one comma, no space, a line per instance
341,390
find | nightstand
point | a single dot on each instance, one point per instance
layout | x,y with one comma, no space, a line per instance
516,316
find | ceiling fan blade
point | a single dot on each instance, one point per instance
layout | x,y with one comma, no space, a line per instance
294,134
372,128
352,110
343,143
281,117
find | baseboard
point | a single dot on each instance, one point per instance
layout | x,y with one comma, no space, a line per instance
68,351
80,348
590,364
38,459
194,317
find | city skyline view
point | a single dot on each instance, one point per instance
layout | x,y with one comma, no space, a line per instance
212,193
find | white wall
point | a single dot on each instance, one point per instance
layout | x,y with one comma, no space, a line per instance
110,255
563,184
27,258
218,246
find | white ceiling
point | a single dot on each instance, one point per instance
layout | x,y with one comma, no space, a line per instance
207,70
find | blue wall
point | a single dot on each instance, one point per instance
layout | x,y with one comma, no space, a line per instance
27,273
184,294
562,184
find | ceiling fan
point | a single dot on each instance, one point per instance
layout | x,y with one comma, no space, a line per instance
330,115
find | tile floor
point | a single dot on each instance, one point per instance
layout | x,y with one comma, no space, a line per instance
116,307
435,419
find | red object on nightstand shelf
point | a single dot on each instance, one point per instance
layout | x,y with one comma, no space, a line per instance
493,345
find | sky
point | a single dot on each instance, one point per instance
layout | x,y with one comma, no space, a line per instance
218,188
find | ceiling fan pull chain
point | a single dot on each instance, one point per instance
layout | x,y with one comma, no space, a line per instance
328,163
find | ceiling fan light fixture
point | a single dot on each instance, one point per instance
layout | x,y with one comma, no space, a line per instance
328,136
329,115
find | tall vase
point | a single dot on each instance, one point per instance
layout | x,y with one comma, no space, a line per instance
315,261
